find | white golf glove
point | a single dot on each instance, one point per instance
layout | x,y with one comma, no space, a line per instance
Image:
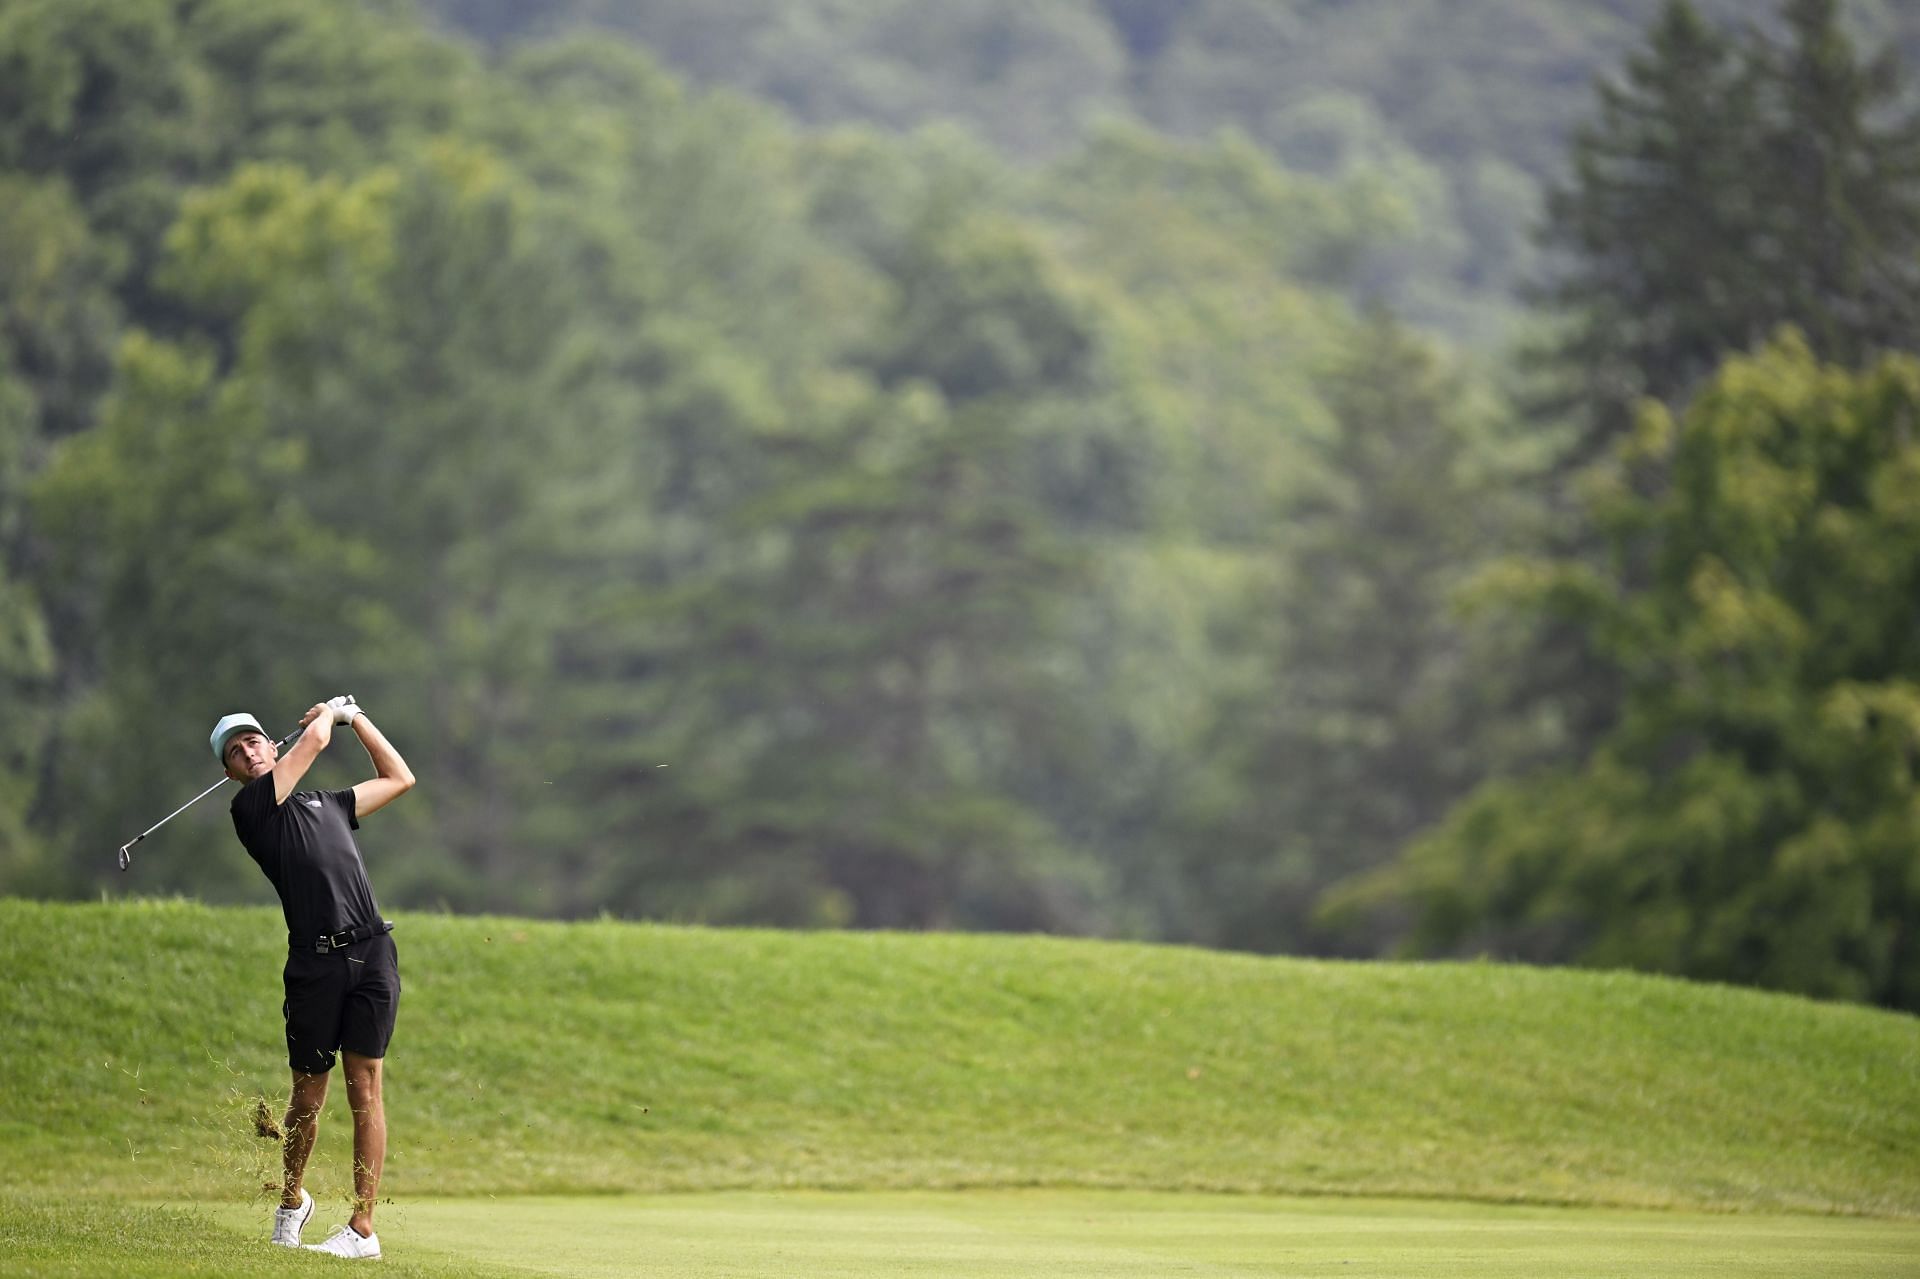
344,708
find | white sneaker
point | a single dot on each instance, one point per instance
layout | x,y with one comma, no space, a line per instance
350,1243
288,1222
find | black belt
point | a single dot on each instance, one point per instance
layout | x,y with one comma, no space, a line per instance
344,938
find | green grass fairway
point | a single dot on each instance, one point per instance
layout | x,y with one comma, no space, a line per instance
1134,1235
609,1098
975,1234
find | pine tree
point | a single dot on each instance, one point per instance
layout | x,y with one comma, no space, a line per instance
1654,229
1728,187
1837,245
1363,732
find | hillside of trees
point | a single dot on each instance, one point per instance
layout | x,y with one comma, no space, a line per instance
837,503
1459,113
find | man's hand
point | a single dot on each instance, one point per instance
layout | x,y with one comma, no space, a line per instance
319,711
344,708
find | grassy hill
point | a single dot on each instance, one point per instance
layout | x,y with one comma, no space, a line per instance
542,1057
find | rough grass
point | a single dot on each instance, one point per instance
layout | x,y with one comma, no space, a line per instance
597,1057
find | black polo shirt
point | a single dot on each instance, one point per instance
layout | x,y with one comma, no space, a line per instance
307,851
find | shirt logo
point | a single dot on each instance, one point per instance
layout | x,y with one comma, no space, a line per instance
311,803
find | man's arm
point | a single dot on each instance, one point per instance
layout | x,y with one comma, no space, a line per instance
394,777
299,758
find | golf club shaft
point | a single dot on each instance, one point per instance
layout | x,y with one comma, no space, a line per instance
126,849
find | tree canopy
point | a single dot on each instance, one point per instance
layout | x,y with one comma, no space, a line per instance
836,465
1753,816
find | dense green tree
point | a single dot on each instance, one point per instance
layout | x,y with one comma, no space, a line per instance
1838,242
1206,254
108,115
1655,230
329,88
131,103
372,488
58,320
471,392
688,211
1026,78
1726,187
414,333
1729,184
849,694
1753,816
106,95
188,572
26,658
852,673
1367,718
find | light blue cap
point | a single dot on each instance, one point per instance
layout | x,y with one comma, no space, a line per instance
230,726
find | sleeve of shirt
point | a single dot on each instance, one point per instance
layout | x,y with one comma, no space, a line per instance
346,800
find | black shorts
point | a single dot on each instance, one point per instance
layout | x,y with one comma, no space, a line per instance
344,999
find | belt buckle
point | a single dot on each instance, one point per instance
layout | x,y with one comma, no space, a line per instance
333,941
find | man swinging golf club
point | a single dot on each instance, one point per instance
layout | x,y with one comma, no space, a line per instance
342,974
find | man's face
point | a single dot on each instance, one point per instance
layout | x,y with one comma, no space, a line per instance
250,754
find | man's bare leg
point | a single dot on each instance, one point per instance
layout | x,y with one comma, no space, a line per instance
369,1136
303,1124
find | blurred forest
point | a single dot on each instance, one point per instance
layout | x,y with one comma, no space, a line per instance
1456,113
1330,478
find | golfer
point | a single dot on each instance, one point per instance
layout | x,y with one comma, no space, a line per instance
342,975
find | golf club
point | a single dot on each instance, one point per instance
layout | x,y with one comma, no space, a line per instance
126,849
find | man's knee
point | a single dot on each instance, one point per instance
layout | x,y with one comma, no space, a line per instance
363,1073
309,1095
